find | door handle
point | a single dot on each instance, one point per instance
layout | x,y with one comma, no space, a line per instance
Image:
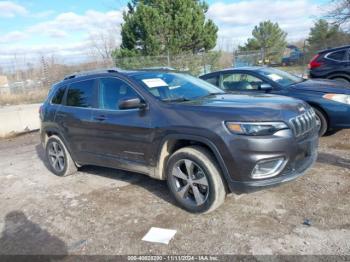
100,118
60,114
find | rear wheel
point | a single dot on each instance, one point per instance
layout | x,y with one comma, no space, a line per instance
195,180
59,159
321,122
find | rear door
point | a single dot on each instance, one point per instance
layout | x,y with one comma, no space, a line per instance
74,118
122,137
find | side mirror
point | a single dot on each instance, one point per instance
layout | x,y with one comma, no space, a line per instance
265,87
131,103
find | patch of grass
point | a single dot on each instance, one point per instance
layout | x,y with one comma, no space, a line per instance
29,97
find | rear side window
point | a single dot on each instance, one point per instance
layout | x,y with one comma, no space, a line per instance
57,98
212,80
112,91
338,55
81,94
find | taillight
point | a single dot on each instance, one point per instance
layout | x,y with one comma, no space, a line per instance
314,63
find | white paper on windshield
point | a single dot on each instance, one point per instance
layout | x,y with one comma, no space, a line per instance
159,235
173,87
154,82
274,77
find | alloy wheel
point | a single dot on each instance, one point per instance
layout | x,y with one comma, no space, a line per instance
318,122
191,182
56,156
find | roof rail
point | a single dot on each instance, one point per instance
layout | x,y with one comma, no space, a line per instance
97,71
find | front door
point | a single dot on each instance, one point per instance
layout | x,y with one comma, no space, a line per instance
240,82
122,137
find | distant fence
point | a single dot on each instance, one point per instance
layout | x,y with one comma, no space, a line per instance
195,64
28,81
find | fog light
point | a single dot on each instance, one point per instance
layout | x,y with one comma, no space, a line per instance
268,168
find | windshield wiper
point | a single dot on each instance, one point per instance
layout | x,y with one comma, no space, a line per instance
213,94
177,99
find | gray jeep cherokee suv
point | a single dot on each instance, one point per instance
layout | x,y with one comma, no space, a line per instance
178,128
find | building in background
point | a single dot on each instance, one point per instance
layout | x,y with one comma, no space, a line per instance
4,85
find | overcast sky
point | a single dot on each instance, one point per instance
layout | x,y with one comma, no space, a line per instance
65,25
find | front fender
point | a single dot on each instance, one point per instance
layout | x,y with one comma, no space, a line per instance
163,154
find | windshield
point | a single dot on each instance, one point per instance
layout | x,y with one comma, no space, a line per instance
280,77
174,86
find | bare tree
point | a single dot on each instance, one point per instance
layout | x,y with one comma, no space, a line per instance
103,43
340,12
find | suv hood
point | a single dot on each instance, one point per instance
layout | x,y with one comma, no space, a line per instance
259,107
324,86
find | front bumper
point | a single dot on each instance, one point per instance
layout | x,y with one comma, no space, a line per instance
300,155
251,186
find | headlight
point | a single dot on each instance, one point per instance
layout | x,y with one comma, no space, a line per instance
255,129
341,98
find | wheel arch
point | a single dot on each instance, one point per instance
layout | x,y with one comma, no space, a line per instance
171,143
317,106
50,131
339,75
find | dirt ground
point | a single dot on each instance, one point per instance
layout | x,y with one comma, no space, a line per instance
105,211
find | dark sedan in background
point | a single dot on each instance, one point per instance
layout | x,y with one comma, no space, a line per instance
331,64
330,99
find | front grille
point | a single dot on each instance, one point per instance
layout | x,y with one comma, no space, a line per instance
303,123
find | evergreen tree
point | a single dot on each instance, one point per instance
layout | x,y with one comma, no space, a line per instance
268,38
161,27
324,35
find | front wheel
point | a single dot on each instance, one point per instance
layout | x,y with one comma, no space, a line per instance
195,180
321,122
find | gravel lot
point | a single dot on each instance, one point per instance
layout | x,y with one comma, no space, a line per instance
105,211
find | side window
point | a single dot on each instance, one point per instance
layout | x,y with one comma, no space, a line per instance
254,81
240,82
338,55
212,80
81,94
58,96
111,91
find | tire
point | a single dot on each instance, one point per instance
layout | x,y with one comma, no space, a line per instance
205,191
322,120
55,149
331,132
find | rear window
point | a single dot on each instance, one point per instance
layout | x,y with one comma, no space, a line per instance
338,55
57,98
81,94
